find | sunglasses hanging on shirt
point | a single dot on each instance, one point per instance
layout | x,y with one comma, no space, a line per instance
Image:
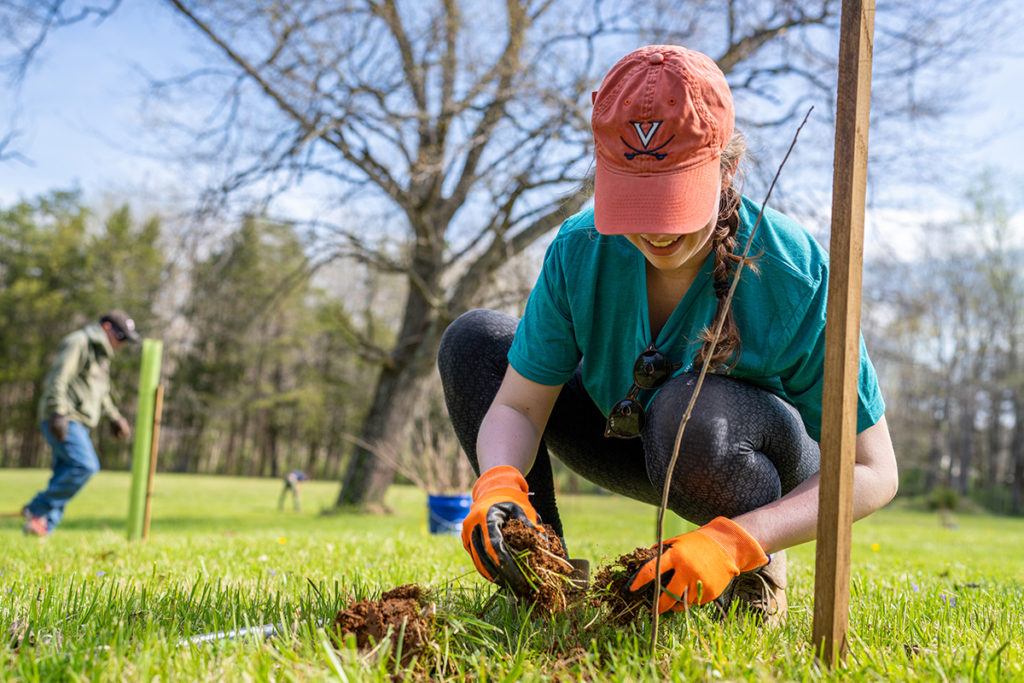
627,418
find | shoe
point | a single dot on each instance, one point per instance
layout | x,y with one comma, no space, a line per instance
760,593
35,526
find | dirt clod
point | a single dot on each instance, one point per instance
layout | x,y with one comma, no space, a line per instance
545,565
400,609
611,587
403,615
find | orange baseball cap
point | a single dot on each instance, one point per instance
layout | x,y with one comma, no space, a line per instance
661,119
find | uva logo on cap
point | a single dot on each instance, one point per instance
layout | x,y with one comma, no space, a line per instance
646,136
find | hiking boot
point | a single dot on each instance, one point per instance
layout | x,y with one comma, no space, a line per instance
35,526
761,593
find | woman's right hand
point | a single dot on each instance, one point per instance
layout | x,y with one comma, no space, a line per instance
500,494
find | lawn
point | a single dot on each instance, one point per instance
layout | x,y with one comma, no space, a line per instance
927,602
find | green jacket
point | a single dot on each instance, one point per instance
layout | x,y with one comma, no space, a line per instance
78,383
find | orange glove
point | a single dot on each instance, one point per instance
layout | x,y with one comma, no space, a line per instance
500,494
698,565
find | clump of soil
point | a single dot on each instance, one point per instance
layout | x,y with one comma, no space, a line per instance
611,587
402,610
545,564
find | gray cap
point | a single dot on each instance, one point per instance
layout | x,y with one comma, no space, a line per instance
122,324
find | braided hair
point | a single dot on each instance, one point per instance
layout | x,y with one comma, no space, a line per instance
723,242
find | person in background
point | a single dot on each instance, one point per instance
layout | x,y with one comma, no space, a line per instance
76,395
602,366
292,482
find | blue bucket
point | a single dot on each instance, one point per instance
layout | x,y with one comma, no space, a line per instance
447,512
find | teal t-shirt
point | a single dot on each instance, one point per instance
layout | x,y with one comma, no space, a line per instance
590,304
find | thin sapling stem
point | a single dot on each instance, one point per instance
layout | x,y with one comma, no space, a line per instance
700,382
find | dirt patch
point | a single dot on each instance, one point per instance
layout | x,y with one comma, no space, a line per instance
611,587
545,564
405,617
401,610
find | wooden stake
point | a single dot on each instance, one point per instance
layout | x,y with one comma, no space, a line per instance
842,332
158,408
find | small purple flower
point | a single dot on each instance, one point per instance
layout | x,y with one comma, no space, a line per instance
948,599
915,587
100,573
272,572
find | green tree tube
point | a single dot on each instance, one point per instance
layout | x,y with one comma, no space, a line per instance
149,379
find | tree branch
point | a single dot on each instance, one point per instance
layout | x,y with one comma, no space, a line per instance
333,137
48,15
746,46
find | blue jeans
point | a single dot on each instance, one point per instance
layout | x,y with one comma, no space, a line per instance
74,463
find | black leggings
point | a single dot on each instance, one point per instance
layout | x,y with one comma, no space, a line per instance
743,446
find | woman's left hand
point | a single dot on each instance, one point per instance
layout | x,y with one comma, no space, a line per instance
697,566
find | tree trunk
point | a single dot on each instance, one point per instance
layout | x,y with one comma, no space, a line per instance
402,380
309,466
1017,448
273,452
992,458
934,466
397,395
259,462
231,449
965,447
332,457
184,459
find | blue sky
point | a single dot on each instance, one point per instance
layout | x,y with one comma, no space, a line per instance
79,111
77,114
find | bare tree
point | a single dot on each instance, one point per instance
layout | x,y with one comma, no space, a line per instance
26,24
467,143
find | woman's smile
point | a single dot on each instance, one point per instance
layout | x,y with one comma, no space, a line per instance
668,252
660,241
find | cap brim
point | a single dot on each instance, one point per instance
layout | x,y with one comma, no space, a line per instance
667,204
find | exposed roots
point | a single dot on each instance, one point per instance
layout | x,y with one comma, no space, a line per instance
611,587
545,564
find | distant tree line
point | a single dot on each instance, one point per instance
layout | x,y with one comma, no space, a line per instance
55,273
263,372
946,327
259,370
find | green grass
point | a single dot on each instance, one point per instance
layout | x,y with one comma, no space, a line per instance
927,603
